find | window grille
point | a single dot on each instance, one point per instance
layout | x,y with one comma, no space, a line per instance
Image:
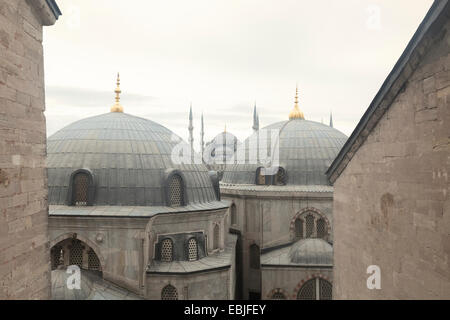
216,237
325,290
56,255
76,253
321,228
166,250
176,191
93,261
233,214
298,229
307,291
192,249
81,182
309,226
169,292
254,256
278,296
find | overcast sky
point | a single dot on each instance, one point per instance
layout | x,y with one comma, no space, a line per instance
223,55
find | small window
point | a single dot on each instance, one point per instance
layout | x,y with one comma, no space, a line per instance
278,296
298,229
169,292
280,178
167,250
321,228
307,291
216,237
233,214
56,254
254,257
76,253
260,177
309,225
176,191
192,249
93,261
80,189
325,290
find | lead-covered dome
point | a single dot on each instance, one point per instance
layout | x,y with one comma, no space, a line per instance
128,159
306,150
311,252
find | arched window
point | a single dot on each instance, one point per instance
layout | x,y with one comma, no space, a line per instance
260,177
216,237
80,189
298,229
233,214
167,250
280,178
325,290
321,228
254,257
169,292
315,289
76,253
307,291
309,221
176,195
192,249
278,295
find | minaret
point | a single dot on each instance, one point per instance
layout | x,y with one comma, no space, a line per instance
202,135
191,129
296,113
255,119
117,107
331,119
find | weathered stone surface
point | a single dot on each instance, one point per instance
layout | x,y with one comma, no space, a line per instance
391,203
24,256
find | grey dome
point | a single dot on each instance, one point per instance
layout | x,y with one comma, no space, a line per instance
311,252
129,158
306,150
221,148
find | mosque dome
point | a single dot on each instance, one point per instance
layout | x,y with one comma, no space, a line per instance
221,147
127,160
305,151
311,252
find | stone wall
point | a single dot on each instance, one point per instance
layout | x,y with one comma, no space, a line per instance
391,203
24,252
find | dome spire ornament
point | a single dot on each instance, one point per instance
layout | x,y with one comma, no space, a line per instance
117,107
296,113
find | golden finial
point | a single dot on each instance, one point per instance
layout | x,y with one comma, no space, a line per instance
117,107
225,130
296,113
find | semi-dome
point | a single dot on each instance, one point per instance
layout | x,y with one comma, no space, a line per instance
311,252
128,159
306,150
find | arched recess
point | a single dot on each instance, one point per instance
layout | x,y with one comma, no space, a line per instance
302,214
91,244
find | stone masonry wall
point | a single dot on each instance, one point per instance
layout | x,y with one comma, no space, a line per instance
24,252
391,203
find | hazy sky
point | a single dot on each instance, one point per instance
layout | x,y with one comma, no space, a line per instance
223,55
